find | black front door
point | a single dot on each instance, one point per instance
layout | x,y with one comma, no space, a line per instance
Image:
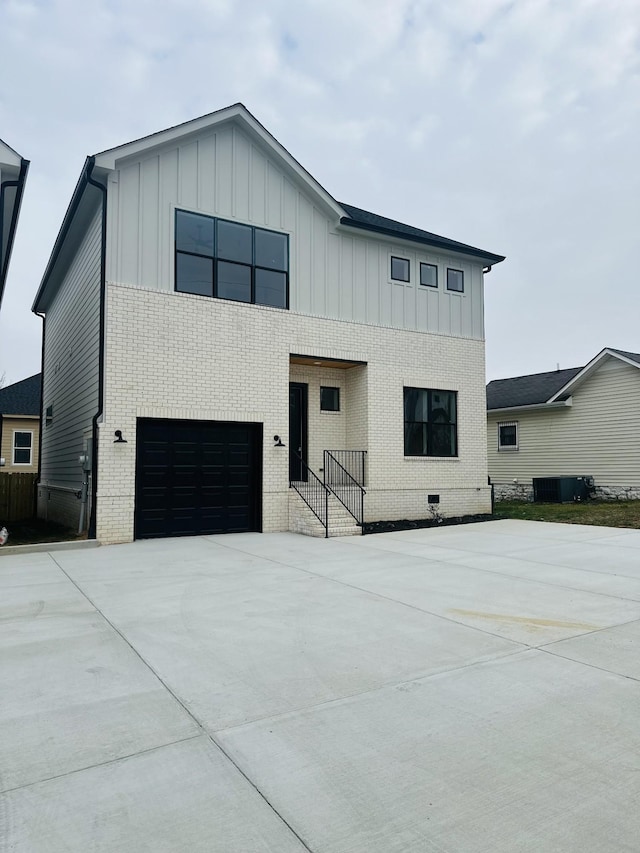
197,477
298,393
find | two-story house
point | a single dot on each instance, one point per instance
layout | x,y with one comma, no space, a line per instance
215,321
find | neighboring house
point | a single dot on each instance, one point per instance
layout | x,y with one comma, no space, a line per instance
209,307
20,425
581,421
13,175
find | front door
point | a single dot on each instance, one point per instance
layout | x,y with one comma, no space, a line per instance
298,395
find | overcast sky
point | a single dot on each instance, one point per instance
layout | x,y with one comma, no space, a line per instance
513,126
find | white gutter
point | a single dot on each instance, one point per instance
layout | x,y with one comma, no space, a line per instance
532,407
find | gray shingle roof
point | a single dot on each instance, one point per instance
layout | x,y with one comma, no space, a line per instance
21,398
527,390
634,356
358,218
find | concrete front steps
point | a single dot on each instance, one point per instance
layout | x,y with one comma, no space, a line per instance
302,520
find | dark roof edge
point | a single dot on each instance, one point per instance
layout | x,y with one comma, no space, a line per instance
444,244
19,183
76,198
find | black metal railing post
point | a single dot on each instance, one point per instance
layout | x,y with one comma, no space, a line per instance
313,492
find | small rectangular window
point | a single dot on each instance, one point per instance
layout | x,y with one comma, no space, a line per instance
428,275
48,416
22,447
400,269
455,280
508,436
330,399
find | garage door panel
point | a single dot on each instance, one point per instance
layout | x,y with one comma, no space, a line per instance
197,477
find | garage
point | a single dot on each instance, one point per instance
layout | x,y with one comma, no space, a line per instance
197,477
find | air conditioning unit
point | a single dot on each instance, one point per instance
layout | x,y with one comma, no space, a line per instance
563,489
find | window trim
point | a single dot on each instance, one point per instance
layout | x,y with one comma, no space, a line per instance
14,448
433,266
508,448
453,289
215,259
335,388
393,258
414,456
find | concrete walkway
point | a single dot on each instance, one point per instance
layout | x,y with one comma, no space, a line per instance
470,690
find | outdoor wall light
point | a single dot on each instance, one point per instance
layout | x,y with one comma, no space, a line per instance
119,438
278,441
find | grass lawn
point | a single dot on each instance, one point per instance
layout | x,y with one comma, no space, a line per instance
604,513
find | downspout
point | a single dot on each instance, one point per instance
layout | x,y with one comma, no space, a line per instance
42,417
94,451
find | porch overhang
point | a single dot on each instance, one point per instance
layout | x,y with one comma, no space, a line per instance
324,361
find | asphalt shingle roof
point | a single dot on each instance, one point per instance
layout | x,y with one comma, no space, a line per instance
368,221
527,390
21,398
634,356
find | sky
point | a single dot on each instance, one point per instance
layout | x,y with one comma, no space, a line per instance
512,126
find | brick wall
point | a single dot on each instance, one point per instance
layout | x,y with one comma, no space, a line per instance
182,356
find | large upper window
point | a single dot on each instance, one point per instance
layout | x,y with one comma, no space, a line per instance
22,447
430,422
228,260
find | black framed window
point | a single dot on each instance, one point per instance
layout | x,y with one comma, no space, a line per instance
455,280
229,260
508,436
329,399
430,422
400,269
22,447
428,275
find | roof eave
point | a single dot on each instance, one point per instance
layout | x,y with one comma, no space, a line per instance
10,228
588,369
530,407
442,245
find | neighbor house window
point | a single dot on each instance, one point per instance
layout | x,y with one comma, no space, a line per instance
22,447
428,275
228,260
330,399
455,280
400,269
430,422
508,436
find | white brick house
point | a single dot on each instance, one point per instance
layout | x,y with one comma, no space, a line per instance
206,295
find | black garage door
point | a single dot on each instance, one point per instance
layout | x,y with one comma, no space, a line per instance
195,477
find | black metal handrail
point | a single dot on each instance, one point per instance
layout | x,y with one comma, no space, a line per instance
353,461
313,492
344,486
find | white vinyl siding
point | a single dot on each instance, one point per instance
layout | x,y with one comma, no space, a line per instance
336,272
597,435
71,363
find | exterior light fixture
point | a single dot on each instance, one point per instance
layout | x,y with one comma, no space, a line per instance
278,441
119,438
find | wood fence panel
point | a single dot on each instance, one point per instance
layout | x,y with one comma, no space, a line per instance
17,496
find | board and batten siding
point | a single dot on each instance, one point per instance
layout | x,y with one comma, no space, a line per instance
334,272
597,435
71,370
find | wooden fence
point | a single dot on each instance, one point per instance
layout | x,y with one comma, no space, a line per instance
17,496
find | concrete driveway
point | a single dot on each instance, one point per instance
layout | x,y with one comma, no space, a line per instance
457,689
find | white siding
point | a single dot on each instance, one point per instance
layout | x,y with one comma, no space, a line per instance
334,273
598,435
71,365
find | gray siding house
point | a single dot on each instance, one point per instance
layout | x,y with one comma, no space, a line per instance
13,176
581,421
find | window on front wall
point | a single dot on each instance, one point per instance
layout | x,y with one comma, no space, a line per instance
430,422
22,447
455,280
228,260
400,269
508,436
428,275
329,399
